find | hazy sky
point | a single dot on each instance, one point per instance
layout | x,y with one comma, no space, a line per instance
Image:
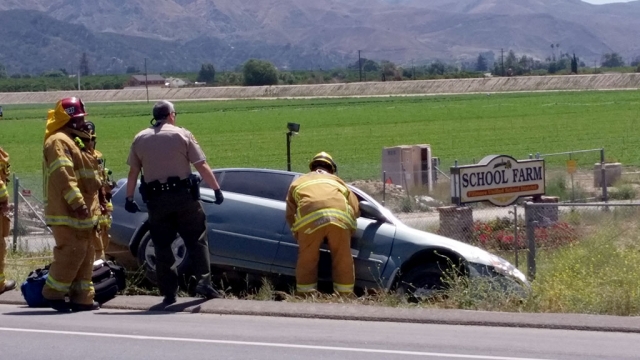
605,1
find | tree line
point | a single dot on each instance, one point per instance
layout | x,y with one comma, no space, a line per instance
257,72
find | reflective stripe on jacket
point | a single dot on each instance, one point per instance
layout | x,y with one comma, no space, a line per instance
318,199
70,181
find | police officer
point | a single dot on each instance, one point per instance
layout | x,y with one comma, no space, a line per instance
71,209
5,285
320,206
164,153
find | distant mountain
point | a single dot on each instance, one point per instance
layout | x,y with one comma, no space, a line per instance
38,35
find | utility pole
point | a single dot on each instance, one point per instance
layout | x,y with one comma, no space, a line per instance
146,79
360,65
502,60
78,79
413,70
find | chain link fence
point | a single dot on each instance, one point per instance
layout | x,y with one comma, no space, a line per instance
30,241
29,233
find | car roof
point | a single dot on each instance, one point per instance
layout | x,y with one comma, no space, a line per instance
272,171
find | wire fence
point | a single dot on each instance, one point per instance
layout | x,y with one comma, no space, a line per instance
29,233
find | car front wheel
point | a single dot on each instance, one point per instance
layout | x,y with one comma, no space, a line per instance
147,258
422,282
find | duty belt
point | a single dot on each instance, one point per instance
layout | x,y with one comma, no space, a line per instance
156,187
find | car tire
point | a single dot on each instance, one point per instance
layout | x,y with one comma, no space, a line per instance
147,259
422,282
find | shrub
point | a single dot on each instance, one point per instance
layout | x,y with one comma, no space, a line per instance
623,192
499,234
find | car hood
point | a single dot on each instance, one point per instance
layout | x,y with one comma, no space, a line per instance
470,253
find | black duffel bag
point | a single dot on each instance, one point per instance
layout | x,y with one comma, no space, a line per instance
108,278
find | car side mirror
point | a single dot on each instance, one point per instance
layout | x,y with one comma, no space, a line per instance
371,211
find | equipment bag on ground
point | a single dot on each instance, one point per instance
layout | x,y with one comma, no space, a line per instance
32,287
108,278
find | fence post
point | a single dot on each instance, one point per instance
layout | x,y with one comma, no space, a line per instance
16,202
515,231
531,238
603,171
384,186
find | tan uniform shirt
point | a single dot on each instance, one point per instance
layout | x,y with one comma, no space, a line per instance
165,151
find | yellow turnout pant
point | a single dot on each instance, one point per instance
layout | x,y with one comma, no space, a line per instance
101,243
72,267
4,230
339,241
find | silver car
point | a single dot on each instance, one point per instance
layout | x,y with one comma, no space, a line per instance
248,235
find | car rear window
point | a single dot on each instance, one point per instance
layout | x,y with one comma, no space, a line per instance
256,183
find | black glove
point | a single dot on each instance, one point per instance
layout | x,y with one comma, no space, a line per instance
131,206
219,197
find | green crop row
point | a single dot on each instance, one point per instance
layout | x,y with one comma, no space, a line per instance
354,130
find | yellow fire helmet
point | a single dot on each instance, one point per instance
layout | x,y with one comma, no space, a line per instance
323,158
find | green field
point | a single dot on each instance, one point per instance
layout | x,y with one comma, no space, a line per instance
354,131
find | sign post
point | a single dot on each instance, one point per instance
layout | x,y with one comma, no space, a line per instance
498,179
572,167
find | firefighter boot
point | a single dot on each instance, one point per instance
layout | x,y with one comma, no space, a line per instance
8,286
61,305
85,307
5,285
205,288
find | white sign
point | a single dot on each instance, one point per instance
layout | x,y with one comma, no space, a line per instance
499,179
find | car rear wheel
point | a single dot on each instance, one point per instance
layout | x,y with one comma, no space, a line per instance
147,259
422,282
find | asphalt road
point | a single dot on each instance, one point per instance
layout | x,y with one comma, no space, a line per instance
27,334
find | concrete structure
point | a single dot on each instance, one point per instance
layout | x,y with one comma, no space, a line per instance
409,166
613,173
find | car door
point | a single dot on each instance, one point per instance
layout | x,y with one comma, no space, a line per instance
370,248
246,228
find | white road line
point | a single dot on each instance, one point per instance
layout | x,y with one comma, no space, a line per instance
277,345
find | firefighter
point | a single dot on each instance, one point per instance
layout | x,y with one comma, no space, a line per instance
106,207
165,152
320,206
5,285
71,185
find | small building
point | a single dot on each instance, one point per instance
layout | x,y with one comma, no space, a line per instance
175,82
146,80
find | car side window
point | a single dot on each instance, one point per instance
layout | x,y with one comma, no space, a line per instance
268,185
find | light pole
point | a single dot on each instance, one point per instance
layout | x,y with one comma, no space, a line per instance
146,79
293,130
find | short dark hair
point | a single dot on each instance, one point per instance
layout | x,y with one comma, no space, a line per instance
162,109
